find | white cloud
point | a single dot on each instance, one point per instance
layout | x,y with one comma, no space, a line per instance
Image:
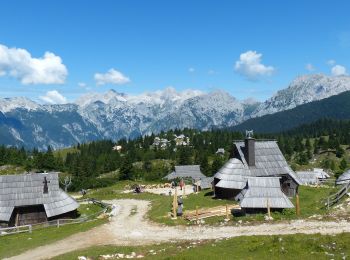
54,97
250,66
211,72
331,62
191,70
19,64
112,76
338,70
309,67
82,84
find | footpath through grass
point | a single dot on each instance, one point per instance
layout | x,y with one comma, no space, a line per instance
15,244
256,247
312,201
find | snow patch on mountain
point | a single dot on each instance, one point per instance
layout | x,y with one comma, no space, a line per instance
16,135
8,104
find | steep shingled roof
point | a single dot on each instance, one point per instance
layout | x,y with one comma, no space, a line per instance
307,177
27,189
186,171
269,161
261,191
232,174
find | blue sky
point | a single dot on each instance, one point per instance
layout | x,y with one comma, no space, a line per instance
149,45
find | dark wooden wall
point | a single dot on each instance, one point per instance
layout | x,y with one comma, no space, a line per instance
28,215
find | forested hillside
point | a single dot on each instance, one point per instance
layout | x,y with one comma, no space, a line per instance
335,107
324,143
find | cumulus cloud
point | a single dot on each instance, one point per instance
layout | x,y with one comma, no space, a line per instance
19,63
54,97
250,66
309,67
338,70
191,70
112,76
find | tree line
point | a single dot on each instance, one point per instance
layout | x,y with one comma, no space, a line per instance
139,159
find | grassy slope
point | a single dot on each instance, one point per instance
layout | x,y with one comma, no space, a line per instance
11,169
15,244
63,152
310,200
311,203
258,247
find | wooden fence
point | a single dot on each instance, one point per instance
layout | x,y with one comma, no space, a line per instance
58,222
334,198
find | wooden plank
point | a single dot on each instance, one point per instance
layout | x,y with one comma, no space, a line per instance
209,212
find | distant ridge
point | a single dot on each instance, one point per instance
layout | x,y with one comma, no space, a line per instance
335,107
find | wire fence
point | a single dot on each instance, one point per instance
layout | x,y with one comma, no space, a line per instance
57,222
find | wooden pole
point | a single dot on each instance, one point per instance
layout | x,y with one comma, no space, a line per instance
175,204
197,214
184,190
268,208
297,206
196,187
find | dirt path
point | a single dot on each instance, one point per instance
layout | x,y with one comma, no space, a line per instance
133,229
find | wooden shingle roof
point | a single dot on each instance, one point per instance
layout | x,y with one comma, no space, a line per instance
307,177
263,191
186,171
27,189
269,162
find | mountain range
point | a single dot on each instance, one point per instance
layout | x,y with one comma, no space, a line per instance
114,115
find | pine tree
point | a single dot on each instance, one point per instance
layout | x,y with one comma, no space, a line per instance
343,164
217,164
126,170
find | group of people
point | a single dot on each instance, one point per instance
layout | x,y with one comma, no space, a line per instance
174,184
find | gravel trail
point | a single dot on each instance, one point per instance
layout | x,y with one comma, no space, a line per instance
128,228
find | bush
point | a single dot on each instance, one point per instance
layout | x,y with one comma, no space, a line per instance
288,212
90,183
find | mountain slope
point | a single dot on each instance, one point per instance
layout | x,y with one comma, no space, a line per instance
335,107
302,90
114,115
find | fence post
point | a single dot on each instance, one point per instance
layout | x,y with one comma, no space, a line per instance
328,203
58,223
227,219
30,228
297,205
268,209
197,215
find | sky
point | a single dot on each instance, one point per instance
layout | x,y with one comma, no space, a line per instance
55,51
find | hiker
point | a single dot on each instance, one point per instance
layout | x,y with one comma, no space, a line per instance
181,184
137,189
173,184
83,192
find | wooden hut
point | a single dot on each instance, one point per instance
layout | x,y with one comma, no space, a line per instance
261,193
307,177
33,198
186,171
254,158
